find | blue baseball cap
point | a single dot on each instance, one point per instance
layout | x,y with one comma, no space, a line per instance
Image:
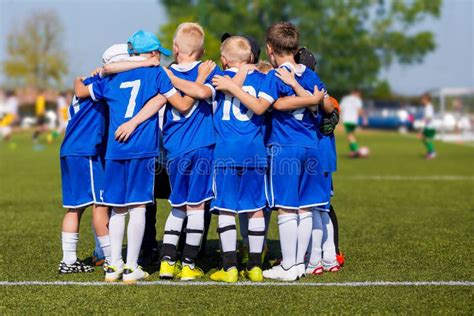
145,42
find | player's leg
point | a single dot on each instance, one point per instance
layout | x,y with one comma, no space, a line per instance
353,145
76,193
329,262
115,184
335,225
244,233
100,220
305,228
285,172
170,267
69,241
428,137
256,230
198,193
315,264
139,192
226,190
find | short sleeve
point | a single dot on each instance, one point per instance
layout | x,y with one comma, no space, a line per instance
208,82
269,90
96,89
165,87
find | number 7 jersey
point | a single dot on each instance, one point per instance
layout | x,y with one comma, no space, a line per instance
126,93
239,130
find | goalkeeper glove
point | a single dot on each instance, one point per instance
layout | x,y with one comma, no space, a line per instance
329,122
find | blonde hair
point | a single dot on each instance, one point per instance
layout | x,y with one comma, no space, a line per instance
264,66
236,49
189,38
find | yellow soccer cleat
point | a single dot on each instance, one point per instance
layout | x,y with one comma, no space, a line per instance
188,273
255,274
229,276
169,270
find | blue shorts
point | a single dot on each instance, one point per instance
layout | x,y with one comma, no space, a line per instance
129,182
296,178
329,192
190,177
239,189
82,181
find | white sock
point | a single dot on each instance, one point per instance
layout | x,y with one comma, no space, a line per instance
174,224
305,226
116,232
195,223
256,236
329,248
104,242
228,238
135,231
97,248
316,239
69,244
244,231
288,230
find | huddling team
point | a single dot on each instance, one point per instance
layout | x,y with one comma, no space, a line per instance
248,139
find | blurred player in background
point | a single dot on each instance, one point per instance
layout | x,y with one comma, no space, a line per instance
429,131
41,122
62,112
8,114
351,110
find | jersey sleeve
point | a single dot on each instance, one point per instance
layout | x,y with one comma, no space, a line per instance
208,82
269,90
96,89
165,87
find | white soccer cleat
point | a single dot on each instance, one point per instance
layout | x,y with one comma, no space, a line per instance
300,267
315,269
332,266
132,276
113,273
280,273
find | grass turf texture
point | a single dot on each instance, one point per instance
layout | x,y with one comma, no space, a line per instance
405,230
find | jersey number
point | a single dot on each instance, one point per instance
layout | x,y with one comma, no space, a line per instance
135,85
176,115
235,104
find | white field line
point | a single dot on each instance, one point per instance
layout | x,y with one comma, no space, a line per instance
407,178
269,284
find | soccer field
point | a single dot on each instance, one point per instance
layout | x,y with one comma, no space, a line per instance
402,220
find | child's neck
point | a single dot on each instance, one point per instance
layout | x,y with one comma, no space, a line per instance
281,59
236,65
185,59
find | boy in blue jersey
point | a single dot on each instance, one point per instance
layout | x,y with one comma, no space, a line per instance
295,173
129,168
82,168
188,138
240,165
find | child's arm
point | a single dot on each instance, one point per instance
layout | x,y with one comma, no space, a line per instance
288,77
152,107
241,75
296,102
257,105
80,89
195,90
122,66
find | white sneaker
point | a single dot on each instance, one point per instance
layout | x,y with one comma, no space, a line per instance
315,269
300,267
131,276
331,266
113,273
280,273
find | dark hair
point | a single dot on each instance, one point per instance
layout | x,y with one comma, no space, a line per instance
283,38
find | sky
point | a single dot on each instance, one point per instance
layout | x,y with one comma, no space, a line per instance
92,26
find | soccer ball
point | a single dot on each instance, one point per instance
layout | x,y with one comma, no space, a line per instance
364,152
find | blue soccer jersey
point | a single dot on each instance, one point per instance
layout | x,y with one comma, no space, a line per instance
184,133
126,93
240,133
85,131
297,127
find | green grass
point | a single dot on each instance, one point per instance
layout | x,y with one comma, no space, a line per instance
390,230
